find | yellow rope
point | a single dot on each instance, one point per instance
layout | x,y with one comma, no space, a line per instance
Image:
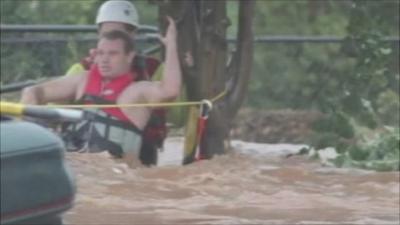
160,104
220,95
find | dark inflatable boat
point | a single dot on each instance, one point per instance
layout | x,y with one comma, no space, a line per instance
36,185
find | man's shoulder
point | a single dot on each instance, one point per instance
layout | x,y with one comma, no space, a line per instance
140,84
135,92
139,87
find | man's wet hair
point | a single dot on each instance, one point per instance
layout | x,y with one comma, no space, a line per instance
120,35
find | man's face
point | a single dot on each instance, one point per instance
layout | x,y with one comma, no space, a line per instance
112,59
110,26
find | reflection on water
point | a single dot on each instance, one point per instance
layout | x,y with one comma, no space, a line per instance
237,188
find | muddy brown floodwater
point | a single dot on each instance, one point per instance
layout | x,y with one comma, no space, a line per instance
241,187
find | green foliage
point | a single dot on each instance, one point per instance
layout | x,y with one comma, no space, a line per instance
47,12
33,60
373,71
63,11
337,123
296,75
388,106
355,83
381,153
26,62
325,140
325,76
44,59
364,93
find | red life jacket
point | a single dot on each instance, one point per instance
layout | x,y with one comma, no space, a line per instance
108,93
155,131
145,67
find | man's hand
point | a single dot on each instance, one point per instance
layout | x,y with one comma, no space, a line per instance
32,95
171,34
92,55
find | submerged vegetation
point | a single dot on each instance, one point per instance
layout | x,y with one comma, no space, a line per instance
379,152
367,97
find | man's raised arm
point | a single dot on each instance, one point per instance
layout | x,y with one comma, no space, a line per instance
172,76
169,87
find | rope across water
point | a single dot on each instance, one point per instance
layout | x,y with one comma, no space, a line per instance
160,104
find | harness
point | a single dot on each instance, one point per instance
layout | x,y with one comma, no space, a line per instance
153,134
105,129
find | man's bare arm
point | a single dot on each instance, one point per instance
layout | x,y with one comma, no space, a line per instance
169,86
57,90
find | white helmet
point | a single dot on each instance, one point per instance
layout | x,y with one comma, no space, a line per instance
118,11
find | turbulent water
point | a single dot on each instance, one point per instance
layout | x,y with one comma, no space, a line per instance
254,184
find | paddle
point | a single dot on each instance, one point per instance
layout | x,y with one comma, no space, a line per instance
41,112
17,86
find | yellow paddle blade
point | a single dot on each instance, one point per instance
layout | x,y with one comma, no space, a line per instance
191,131
9,108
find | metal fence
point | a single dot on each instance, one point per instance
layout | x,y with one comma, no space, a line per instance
280,62
30,52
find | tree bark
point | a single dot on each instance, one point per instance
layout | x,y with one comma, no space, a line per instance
240,67
202,29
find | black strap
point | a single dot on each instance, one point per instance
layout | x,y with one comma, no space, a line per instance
77,138
98,142
96,100
110,121
74,138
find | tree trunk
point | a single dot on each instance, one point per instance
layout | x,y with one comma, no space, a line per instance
202,29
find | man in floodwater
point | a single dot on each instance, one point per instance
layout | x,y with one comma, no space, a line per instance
110,79
122,15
